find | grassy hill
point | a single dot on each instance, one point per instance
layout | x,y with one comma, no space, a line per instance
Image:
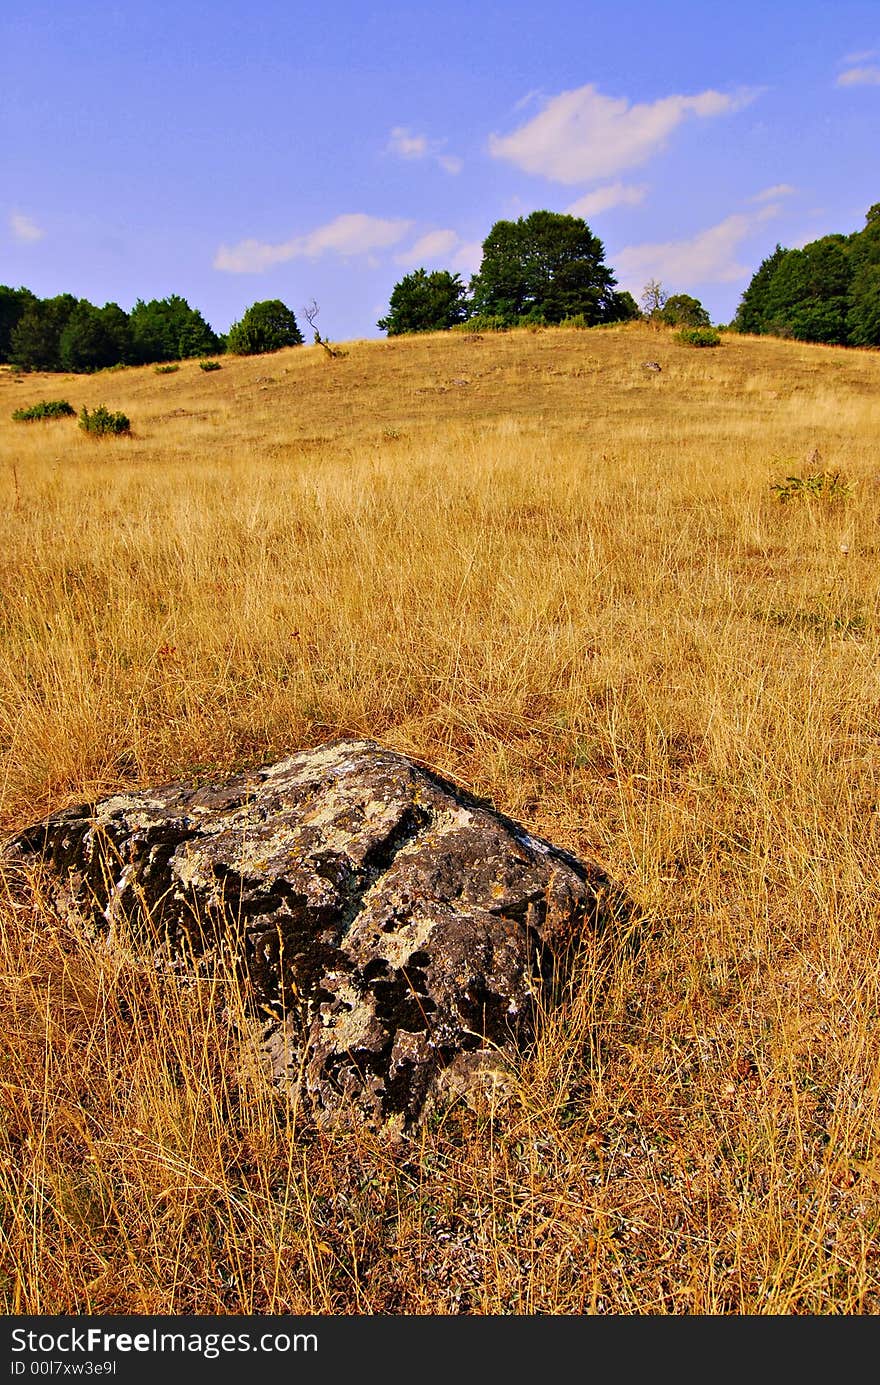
584,589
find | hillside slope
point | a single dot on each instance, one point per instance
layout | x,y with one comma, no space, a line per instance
586,590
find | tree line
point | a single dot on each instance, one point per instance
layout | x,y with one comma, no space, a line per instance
72,334
542,269
829,290
548,268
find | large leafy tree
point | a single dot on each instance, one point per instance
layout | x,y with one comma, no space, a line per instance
423,302
168,329
864,245
36,338
95,337
266,326
807,296
12,305
863,318
752,313
828,291
681,310
547,266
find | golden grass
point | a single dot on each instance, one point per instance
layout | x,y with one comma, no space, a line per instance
565,582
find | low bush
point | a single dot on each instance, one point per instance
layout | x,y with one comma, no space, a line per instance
819,485
47,408
101,423
165,369
210,365
483,322
699,336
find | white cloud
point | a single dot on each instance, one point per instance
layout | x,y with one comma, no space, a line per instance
860,77
428,249
604,198
771,194
24,229
445,249
468,257
405,145
706,258
536,94
582,134
865,56
354,233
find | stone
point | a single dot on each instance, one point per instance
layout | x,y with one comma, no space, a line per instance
400,934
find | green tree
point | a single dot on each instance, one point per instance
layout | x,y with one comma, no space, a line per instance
811,294
168,329
95,337
751,315
12,305
864,245
681,310
265,326
423,302
808,294
546,266
626,309
863,315
36,337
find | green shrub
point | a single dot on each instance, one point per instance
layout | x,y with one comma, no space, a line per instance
165,369
483,322
699,336
102,423
210,365
824,622
819,485
47,408
578,320
266,326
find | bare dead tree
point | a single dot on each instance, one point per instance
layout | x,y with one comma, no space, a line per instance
653,302
310,313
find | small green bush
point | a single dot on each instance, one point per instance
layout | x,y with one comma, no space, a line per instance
577,320
47,408
819,485
827,624
102,423
165,369
210,365
483,322
699,336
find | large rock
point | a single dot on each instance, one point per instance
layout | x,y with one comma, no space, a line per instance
398,929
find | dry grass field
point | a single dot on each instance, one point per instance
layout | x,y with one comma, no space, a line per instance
567,583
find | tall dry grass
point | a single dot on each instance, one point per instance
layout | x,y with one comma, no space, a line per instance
565,582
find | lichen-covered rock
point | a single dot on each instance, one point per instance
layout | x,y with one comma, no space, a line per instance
398,929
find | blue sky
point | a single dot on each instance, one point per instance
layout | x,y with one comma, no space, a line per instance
233,152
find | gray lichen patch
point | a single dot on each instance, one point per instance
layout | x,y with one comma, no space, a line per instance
402,932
